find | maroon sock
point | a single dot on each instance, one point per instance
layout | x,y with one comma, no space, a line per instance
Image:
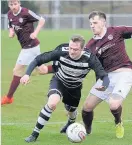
13,86
117,114
87,118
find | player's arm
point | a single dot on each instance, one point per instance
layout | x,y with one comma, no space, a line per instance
39,60
10,28
33,17
127,35
95,64
125,31
38,28
11,32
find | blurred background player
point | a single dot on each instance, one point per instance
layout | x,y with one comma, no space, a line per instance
21,23
66,84
108,45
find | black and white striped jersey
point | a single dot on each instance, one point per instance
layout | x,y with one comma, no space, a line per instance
71,72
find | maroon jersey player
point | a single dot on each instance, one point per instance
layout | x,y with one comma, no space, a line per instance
21,23
108,45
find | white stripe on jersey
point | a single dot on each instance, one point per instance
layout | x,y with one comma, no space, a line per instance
70,62
71,79
87,54
34,15
72,71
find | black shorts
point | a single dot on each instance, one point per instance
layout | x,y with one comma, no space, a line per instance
71,96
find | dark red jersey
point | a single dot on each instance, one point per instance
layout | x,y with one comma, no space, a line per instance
22,23
111,48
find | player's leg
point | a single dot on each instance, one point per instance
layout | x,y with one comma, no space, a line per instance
87,112
94,98
72,114
71,99
121,89
18,72
24,59
54,98
115,103
44,116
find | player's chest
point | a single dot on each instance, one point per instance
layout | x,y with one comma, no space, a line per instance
103,45
18,22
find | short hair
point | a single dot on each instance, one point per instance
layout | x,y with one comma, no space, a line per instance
97,13
78,38
10,1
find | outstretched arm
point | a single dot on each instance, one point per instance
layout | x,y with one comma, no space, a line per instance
125,31
39,60
100,72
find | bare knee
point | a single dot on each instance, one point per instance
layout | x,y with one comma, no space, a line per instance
18,71
114,105
53,100
90,103
87,106
115,101
52,106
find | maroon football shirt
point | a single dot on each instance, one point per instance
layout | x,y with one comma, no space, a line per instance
111,48
22,23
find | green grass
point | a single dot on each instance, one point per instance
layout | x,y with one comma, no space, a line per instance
19,118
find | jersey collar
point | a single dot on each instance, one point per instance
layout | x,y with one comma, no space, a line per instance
96,37
18,12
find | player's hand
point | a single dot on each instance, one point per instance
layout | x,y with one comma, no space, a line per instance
11,33
25,80
101,88
33,35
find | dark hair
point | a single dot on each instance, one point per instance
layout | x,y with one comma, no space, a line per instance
78,38
97,13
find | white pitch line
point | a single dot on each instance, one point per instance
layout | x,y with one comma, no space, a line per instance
54,123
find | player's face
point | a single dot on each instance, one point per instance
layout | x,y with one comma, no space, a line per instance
97,25
14,6
75,49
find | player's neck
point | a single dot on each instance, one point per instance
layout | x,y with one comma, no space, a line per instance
79,56
101,35
15,14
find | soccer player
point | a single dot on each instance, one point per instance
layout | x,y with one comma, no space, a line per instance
108,45
66,83
21,23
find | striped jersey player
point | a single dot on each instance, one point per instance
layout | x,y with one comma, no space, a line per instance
73,65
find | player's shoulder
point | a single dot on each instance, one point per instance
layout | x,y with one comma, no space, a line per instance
90,43
87,54
63,47
115,28
24,10
9,13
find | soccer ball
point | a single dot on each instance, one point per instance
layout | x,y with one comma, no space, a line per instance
76,132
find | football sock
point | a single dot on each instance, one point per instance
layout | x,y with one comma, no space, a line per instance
50,69
72,116
117,114
87,118
13,86
44,116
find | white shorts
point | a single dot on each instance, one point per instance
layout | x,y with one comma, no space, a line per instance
28,55
120,84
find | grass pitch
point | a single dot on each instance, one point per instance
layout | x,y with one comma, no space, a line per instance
18,119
